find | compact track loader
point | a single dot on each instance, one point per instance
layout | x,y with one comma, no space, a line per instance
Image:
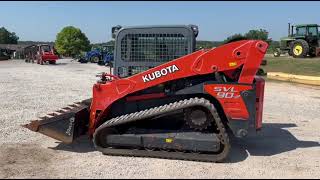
185,108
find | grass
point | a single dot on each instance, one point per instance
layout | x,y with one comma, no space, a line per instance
297,66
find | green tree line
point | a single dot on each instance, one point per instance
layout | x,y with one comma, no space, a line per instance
7,37
71,41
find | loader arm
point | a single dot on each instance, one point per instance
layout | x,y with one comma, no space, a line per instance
245,55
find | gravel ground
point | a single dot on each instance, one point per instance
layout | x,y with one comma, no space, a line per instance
287,147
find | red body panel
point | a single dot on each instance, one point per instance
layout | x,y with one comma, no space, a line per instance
229,97
43,56
226,58
259,101
145,97
49,57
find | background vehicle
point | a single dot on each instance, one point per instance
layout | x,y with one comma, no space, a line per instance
5,54
107,55
41,53
303,40
102,55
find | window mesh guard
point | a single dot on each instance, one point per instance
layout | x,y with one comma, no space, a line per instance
153,47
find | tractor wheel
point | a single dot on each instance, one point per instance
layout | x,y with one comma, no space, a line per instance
299,48
312,52
261,72
276,53
110,64
52,62
94,59
101,63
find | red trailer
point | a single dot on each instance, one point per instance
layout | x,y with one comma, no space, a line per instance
41,53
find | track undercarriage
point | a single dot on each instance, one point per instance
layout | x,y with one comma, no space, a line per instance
133,134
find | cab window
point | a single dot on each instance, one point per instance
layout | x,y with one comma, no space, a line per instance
313,31
301,31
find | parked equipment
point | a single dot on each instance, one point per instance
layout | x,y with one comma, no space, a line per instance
182,107
5,54
102,55
305,41
107,55
41,53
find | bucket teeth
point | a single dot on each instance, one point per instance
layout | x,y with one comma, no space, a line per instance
33,125
62,110
47,116
51,114
74,105
67,108
57,113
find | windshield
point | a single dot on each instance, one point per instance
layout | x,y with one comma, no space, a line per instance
46,48
301,31
108,49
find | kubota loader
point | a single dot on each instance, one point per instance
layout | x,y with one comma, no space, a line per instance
182,109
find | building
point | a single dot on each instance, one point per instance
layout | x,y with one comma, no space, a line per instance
12,50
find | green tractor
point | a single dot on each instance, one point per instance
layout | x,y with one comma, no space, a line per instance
303,42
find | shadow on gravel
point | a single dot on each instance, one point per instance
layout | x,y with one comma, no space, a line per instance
59,64
273,139
81,145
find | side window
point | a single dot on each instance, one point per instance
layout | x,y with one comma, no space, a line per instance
301,31
313,31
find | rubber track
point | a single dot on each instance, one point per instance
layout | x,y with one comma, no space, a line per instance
148,113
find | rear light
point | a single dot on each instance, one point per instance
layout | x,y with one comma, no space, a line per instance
260,83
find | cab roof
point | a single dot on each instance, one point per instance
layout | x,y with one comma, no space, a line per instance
304,25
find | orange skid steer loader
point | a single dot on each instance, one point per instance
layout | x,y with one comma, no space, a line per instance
185,108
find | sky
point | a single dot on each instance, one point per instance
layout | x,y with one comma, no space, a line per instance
41,21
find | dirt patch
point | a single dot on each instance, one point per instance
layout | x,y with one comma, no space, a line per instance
24,160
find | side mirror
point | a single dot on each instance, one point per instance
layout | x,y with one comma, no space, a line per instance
114,30
195,30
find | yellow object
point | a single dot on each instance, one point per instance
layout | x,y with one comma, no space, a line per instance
297,50
310,80
232,64
169,140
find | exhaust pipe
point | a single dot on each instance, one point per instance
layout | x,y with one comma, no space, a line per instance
289,25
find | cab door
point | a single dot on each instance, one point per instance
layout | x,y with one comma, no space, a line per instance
312,35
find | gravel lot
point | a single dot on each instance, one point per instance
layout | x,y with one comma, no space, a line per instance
287,147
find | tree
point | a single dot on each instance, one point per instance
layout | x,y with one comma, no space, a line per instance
7,37
235,37
71,41
98,45
260,34
204,44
